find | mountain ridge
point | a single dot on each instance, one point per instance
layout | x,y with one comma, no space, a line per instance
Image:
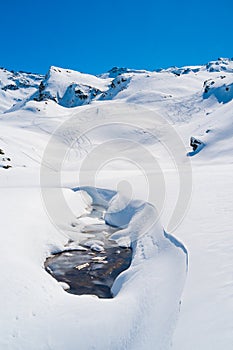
70,88
191,97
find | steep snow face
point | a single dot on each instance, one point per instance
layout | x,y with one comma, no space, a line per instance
70,88
221,88
16,86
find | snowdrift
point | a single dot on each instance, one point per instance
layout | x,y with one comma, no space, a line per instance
147,295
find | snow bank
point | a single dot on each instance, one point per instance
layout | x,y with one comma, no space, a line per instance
77,201
39,314
150,278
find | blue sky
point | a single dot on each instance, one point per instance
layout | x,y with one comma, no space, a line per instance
93,36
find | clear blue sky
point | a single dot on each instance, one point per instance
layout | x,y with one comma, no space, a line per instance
93,36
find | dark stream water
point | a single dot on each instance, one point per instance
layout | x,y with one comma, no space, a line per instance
92,267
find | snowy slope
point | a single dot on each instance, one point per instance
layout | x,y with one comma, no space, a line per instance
188,96
16,86
128,131
68,88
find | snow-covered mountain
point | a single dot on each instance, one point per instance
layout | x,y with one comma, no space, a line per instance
16,86
71,89
191,97
160,139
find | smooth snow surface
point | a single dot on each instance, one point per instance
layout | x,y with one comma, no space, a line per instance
126,133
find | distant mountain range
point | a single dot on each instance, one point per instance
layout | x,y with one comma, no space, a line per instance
198,96
70,88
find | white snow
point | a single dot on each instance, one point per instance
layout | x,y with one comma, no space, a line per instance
16,86
131,142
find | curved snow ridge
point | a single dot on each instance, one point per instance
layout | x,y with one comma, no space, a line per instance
39,314
152,286
178,244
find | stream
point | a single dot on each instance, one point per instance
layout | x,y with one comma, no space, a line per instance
92,265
